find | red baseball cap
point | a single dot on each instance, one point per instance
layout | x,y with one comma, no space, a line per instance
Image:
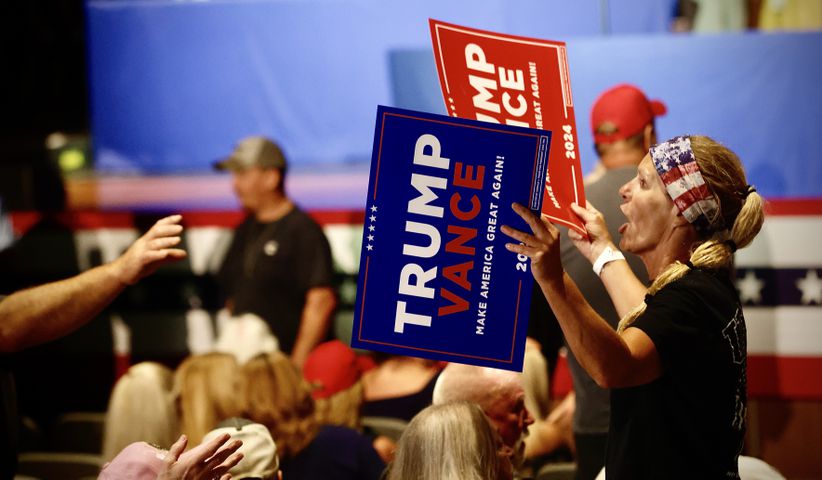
623,111
332,367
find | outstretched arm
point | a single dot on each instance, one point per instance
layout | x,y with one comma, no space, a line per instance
46,312
612,360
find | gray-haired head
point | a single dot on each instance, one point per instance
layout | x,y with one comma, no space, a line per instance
499,393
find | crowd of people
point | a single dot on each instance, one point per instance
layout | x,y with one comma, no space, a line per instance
646,332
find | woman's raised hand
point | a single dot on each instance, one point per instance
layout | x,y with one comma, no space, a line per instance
541,245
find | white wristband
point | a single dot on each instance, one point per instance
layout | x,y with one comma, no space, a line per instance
607,255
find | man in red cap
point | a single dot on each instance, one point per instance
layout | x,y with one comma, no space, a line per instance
622,121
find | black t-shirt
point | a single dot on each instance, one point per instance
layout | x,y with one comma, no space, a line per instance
270,267
337,453
690,422
404,407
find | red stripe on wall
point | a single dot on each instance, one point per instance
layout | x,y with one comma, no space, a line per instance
794,206
94,219
212,219
76,220
233,218
21,222
327,217
797,378
90,219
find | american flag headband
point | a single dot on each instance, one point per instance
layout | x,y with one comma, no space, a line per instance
676,165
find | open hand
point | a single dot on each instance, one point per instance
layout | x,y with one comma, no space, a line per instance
203,462
541,246
154,249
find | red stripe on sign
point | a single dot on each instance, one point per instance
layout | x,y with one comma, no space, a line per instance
794,206
796,378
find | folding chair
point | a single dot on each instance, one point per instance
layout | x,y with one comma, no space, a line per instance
79,432
388,426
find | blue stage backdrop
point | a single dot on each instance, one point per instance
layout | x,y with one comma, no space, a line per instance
175,84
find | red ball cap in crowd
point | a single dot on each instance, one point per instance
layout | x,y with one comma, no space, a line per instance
332,367
621,112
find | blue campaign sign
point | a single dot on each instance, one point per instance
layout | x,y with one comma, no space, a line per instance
435,278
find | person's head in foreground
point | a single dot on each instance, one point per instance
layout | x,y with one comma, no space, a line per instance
260,460
453,441
690,206
499,393
141,407
278,397
210,460
206,386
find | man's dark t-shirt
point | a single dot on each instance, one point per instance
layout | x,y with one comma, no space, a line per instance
690,422
270,267
337,453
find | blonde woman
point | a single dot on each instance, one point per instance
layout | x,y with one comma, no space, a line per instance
452,441
342,408
676,364
277,396
206,386
141,408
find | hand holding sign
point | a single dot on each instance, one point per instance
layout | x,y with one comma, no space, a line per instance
541,245
435,278
598,238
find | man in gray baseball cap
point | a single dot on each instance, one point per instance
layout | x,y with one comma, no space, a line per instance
279,263
254,151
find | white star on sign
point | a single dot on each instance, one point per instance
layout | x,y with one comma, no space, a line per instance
371,228
369,247
750,288
373,208
811,287
371,238
373,218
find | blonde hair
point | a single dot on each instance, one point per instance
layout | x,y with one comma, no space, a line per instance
141,408
452,441
342,408
277,396
740,214
207,392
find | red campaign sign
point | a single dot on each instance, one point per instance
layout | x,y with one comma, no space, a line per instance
518,81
